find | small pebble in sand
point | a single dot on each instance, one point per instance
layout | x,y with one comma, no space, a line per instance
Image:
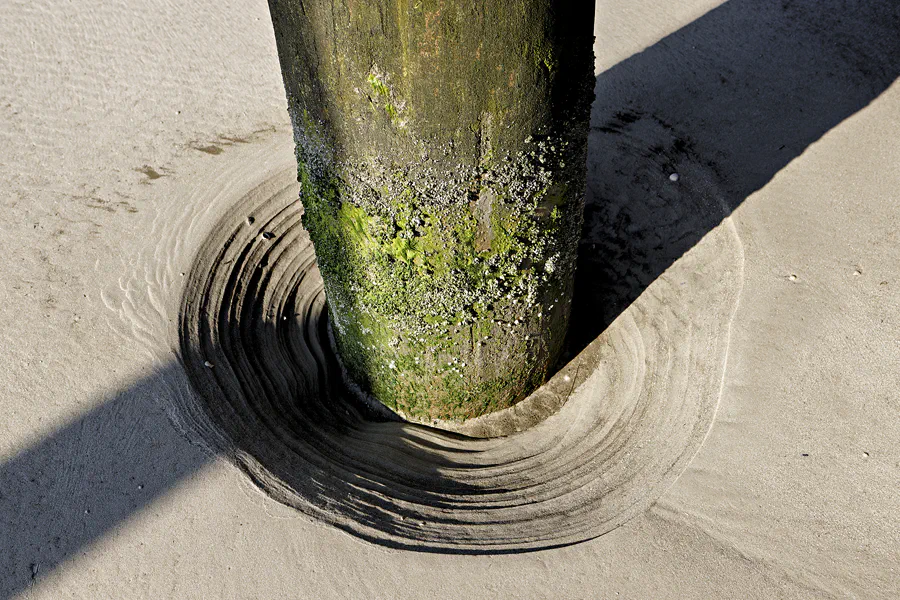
268,235
866,454
792,277
250,220
673,177
566,378
208,364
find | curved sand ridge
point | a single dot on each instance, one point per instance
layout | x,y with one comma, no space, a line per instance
608,434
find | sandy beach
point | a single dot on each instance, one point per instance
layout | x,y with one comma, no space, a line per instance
727,422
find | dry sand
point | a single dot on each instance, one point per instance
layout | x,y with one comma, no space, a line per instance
749,305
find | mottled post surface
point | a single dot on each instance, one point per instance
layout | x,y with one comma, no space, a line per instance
441,152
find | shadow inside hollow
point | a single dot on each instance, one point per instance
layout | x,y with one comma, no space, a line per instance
731,99
254,343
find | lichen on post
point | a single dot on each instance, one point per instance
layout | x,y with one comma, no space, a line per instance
441,152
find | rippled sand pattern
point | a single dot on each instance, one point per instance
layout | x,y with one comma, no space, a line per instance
592,448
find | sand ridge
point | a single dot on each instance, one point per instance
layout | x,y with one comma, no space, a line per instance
592,448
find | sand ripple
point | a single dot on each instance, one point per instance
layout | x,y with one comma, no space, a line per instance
592,448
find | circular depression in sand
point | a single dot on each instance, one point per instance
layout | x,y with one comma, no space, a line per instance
592,448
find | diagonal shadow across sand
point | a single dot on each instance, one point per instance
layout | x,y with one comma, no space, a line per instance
741,91
88,478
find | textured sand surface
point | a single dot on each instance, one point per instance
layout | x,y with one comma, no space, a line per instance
633,406
127,132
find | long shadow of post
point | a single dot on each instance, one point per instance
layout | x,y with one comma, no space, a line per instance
87,478
742,91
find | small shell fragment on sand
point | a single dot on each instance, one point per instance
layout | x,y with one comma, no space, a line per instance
208,364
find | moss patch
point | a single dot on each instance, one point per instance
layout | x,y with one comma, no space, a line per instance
428,317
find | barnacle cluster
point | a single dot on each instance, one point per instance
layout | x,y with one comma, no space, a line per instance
439,278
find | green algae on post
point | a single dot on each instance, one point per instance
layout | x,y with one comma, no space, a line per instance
441,152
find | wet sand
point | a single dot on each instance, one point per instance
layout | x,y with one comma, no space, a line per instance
729,421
